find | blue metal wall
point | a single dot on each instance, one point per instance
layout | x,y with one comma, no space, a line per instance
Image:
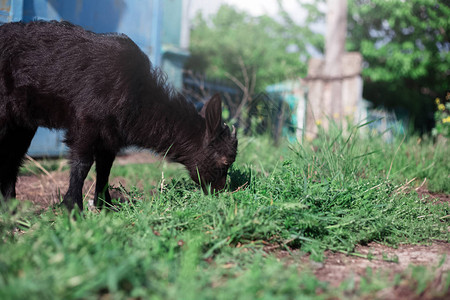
140,20
11,10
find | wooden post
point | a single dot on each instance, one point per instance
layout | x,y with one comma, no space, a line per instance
334,51
334,83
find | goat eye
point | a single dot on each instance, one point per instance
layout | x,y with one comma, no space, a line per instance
224,161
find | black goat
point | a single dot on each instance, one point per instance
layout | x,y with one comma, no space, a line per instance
103,91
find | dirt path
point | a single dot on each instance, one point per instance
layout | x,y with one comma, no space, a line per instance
47,189
388,263
338,267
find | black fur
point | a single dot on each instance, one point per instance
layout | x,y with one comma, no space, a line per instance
103,90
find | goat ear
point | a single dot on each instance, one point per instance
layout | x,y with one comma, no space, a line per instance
212,112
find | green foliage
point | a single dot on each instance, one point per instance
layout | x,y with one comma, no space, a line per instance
405,47
233,43
341,190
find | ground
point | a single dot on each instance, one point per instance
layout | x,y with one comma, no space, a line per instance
46,189
338,267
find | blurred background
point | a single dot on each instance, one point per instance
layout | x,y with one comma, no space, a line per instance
284,68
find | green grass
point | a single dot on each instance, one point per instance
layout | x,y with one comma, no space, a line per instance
43,166
412,158
337,192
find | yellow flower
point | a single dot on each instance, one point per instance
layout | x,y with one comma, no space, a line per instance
438,101
318,122
441,107
446,120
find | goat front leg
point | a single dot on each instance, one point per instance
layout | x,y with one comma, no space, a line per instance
78,171
103,164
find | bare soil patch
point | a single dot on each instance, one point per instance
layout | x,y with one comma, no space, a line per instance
386,261
338,266
48,189
435,197
45,191
142,157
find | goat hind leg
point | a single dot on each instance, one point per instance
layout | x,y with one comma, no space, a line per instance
14,143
